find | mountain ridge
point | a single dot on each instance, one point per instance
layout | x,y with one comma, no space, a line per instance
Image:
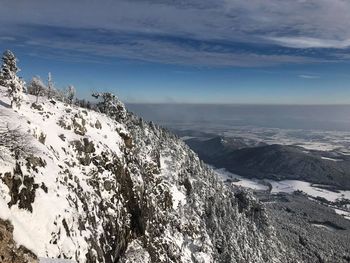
94,188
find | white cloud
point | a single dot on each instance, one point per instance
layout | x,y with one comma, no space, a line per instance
307,42
309,76
7,38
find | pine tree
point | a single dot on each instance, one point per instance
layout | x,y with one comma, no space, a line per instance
36,88
70,93
9,79
110,105
50,87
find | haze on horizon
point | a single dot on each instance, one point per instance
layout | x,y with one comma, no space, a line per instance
225,51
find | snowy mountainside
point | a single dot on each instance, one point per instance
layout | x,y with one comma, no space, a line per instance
93,189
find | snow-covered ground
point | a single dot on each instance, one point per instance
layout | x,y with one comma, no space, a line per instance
286,186
345,214
78,200
331,159
58,152
241,181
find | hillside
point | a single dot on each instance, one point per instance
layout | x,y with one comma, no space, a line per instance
217,147
79,185
277,162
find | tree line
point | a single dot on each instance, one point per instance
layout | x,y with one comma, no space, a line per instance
17,88
107,102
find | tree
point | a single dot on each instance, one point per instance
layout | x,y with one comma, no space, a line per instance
110,105
14,142
36,88
70,93
10,80
83,103
50,86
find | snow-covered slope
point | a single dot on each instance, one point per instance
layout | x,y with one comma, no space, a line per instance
92,189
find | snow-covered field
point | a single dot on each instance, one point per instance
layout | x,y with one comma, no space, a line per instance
243,182
322,140
287,186
331,159
345,214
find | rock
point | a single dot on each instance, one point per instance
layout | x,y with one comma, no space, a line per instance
22,188
33,162
79,128
98,125
9,251
62,137
84,149
127,139
42,138
37,106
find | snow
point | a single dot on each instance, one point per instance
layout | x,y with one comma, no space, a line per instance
203,257
243,182
331,159
178,197
183,227
289,186
38,229
330,228
345,214
168,171
286,186
35,230
136,253
4,210
317,146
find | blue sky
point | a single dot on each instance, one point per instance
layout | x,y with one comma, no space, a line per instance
224,51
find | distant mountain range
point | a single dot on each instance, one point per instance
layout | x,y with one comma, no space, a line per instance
252,159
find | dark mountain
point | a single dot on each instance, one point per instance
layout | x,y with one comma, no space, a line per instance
277,162
217,147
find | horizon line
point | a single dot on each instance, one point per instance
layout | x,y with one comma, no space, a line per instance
239,104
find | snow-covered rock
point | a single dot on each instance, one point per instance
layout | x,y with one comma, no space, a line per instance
93,189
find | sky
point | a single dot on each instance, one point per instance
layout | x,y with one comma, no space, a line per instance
193,51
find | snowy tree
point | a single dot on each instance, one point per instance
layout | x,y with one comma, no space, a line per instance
9,79
51,91
70,93
14,142
110,105
36,87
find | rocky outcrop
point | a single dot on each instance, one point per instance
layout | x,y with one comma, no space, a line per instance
9,251
22,188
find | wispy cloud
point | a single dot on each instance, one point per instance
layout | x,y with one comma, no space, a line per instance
309,76
6,38
160,49
207,33
307,42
